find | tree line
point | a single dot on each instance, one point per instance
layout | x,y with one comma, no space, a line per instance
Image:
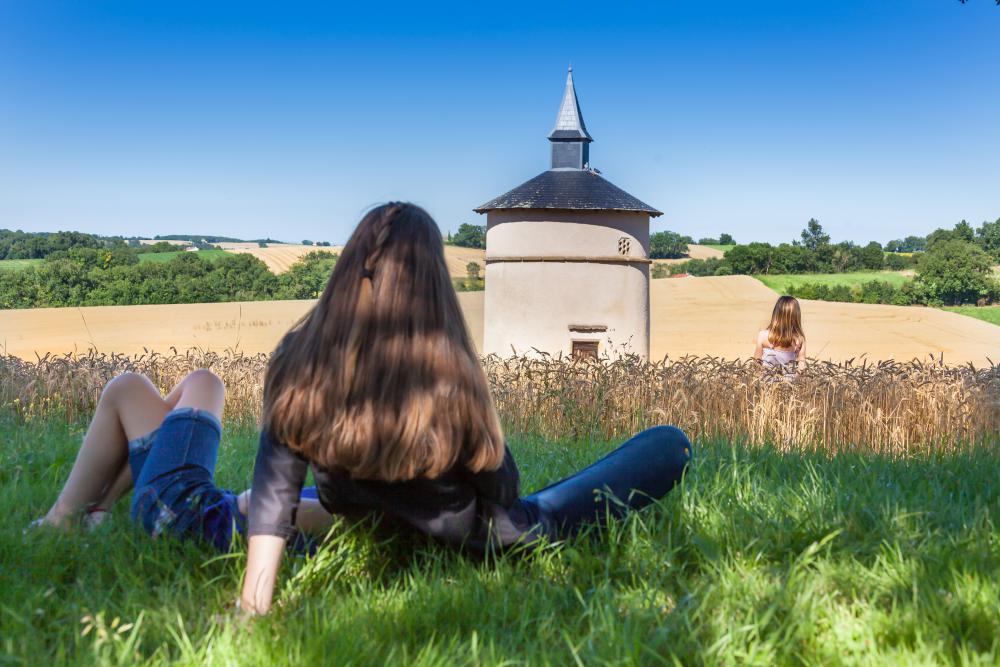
84,276
952,266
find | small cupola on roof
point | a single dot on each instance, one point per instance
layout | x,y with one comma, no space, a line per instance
570,139
570,183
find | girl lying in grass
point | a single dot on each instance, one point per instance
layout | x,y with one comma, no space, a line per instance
167,448
379,390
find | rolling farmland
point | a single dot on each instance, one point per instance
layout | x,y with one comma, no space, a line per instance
701,316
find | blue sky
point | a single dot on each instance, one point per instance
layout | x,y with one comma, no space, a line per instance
879,118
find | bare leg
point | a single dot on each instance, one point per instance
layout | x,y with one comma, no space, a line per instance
311,517
118,488
201,389
129,407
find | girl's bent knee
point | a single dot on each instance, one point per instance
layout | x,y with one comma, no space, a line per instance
126,383
204,378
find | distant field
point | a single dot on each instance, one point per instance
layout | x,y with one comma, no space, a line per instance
167,256
720,246
989,314
695,251
702,316
17,264
279,257
781,282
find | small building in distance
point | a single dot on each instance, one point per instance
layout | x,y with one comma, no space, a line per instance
567,257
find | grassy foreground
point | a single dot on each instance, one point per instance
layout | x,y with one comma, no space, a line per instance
781,281
760,558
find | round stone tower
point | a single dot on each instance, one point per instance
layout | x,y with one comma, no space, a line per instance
567,257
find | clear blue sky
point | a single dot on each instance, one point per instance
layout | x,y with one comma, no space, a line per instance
879,117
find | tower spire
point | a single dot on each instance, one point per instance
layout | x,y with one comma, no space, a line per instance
570,139
569,122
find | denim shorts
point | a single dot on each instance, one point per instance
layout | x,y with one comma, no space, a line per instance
173,469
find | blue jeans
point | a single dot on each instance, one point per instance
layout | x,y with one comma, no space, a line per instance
639,472
173,468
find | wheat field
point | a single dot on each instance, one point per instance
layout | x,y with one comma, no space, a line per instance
888,408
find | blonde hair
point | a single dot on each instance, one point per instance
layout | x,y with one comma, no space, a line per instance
785,329
381,378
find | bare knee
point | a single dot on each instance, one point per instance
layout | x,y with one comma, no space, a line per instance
203,380
127,384
202,389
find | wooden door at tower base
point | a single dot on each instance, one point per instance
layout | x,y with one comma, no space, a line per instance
585,349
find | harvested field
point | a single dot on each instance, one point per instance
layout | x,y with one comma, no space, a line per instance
250,327
720,316
280,257
173,242
698,316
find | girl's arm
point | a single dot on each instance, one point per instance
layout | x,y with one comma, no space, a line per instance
278,476
263,558
801,356
758,351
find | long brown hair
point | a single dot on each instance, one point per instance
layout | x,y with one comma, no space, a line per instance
785,329
381,378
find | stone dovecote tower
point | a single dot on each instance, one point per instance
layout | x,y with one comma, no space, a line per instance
567,257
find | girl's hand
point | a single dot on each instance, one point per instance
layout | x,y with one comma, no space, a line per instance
263,558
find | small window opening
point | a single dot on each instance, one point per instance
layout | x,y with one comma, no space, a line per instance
624,245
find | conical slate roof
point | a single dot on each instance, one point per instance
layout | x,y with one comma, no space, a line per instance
569,122
568,189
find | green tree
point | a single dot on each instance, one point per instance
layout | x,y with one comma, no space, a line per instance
872,257
752,258
667,245
813,235
470,236
307,278
956,272
726,239
964,231
988,238
473,269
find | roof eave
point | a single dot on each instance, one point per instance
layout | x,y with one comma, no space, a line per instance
651,212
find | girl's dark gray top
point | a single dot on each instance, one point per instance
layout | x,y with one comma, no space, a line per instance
459,507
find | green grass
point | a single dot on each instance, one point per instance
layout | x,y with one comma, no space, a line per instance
760,558
720,246
989,314
167,256
780,282
18,264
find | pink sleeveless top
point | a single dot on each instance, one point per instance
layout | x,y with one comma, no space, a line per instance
773,357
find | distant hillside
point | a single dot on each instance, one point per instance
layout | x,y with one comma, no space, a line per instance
195,238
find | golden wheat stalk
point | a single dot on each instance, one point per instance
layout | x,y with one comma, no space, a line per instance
890,407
